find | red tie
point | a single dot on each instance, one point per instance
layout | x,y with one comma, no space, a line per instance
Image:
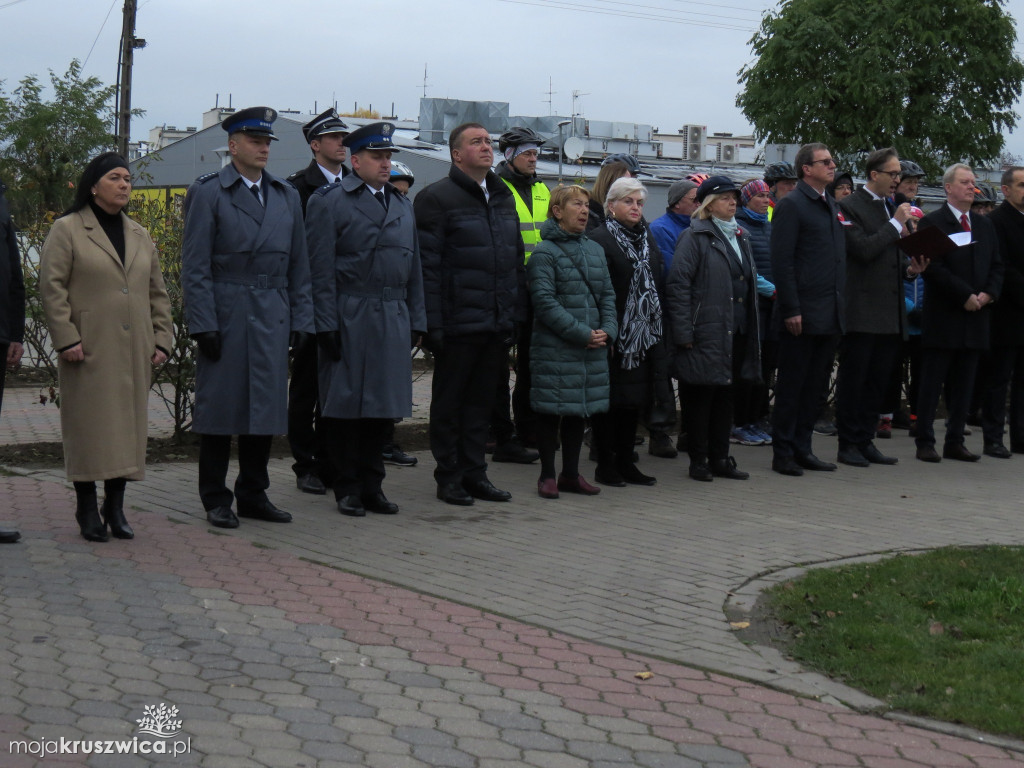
965,222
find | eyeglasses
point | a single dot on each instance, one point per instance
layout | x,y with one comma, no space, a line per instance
828,162
892,174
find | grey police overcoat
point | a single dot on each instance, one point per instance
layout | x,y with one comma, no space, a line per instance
368,284
245,273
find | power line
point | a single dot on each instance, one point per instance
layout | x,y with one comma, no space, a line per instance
9,4
563,4
100,32
669,10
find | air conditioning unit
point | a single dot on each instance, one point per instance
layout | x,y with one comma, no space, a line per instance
694,142
728,153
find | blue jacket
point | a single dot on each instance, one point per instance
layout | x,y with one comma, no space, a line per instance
666,230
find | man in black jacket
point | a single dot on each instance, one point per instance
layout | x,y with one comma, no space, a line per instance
1007,353
474,285
875,309
959,286
12,310
324,134
809,266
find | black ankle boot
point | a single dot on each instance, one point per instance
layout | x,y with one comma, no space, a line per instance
113,511
88,515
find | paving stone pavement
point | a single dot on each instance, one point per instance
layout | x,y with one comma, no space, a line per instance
274,660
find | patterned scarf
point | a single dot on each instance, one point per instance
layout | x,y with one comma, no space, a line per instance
729,229
640,328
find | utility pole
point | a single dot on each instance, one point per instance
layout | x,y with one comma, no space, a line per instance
123,102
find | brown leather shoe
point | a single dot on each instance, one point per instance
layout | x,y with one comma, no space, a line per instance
547,488
929,454
959,452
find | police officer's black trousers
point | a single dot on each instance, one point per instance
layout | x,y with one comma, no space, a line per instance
252,481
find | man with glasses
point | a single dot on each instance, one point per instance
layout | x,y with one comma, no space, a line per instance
876,317
808,250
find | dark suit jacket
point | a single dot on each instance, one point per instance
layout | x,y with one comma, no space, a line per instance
874,267
309,180
1008,312
951,279
809,260
12,283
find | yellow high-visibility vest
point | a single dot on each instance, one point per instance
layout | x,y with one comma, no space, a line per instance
529,222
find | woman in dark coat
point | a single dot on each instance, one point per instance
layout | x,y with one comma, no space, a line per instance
712,302
638,362
573,324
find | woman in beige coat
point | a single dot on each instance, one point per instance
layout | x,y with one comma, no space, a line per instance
110,320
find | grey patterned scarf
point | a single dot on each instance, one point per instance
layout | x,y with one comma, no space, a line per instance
640,328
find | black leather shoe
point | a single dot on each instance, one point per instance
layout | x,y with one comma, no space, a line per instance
608,476
379,503
813,463
929,454
485,490
352,506
959,452
875,456
786,465
850,455
661,446
727,468
996,451
632,475
514,452
87,514
453,493
221,517
699,470
9,537
310,484
265,511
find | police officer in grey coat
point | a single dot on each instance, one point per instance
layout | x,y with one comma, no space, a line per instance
368,300
245,274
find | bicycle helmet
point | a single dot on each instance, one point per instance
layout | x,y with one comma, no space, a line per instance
984,193
401,172
698,178
513,137
779,172
632,164
910,170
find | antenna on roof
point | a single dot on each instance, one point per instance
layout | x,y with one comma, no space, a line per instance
424,80
551,94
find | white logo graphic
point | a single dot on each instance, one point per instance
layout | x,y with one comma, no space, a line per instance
160,721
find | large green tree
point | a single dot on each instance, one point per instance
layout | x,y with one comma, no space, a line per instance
937,79
46,142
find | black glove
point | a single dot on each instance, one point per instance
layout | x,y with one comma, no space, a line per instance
298,340
433,342
417,339
330,344
209,344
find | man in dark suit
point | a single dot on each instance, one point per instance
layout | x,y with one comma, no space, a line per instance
809,266
875,312
959,286
245,275
1007,353
325,135
12,310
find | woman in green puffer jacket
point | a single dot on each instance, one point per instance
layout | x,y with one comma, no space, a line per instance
574,323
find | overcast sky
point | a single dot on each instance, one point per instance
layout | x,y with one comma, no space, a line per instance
676,66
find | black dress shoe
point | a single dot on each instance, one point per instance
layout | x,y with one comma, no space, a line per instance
378,502
634,476
699,470
850,455
485,490
352,506
813,463
875,456
929,454
310,484
514,452
959,452
608,476
661,446
453,493
996,451
221,517
265,511
9,537
727,468
786,465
